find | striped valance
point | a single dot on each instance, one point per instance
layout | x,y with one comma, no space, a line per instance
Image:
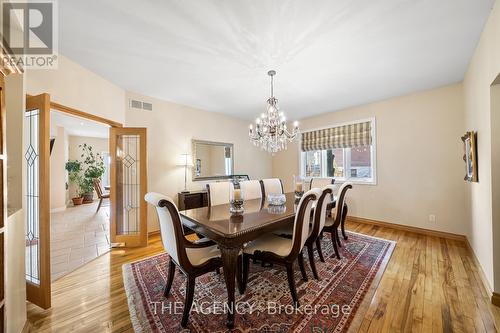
347,136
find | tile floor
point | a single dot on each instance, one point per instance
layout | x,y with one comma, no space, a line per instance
78,235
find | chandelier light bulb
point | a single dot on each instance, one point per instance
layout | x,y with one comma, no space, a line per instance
257,121
296,124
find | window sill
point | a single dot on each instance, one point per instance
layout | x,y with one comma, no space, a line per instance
370,181
356,181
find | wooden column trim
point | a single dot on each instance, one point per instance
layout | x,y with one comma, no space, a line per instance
82,114
495,299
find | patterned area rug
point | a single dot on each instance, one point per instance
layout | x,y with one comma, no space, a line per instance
327,305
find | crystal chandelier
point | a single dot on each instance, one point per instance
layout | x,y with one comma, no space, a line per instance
271,132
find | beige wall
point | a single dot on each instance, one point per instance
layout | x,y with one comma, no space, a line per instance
15,288
58,159
170,130
76,87
483,69
419,166
99,145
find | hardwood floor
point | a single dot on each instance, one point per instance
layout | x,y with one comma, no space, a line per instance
431,284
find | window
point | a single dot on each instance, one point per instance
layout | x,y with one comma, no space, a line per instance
107,165
354,163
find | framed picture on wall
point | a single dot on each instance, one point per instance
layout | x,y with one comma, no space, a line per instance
470,156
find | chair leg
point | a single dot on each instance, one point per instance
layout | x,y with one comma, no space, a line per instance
291,284
320,251
338,238
170,278
188,301
246,264
302,267
342,222
334,241
311,261
99,205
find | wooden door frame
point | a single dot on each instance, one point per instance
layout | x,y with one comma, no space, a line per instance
44,183
6,68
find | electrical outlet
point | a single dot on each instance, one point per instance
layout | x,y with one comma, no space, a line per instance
432,218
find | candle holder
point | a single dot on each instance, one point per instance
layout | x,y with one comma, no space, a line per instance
236,202
236,206
298,185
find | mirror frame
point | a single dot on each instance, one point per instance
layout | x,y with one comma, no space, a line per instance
214,143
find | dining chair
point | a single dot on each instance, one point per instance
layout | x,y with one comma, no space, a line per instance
219,193
271,186
100,193
315,228
284,251
320,216
321,182
251,189
192,259
338,216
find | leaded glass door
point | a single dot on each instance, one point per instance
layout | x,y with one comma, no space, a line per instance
37,199
128,186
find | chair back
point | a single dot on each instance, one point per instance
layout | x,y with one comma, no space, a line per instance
320,211
339,205
321,182
170,226
97,187
219,193
251,189
302,219
271,186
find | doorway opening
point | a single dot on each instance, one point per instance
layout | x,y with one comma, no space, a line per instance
79,192
124,162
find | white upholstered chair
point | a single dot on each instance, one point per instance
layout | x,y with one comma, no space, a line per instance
272,186
193,259
338,217
284,251
251,189
219,193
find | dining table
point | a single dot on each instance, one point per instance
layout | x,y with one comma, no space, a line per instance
232,231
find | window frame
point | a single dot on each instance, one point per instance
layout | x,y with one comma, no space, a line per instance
372,180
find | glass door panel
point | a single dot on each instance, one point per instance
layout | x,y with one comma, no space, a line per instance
128,186
37,199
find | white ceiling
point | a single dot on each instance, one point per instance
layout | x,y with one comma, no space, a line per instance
329,54
77,126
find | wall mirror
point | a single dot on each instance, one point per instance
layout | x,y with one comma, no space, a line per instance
212,160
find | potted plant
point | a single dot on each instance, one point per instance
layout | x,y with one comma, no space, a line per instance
93,169
74,169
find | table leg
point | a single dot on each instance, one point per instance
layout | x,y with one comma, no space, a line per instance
230,262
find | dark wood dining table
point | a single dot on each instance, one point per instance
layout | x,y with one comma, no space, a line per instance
231,232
